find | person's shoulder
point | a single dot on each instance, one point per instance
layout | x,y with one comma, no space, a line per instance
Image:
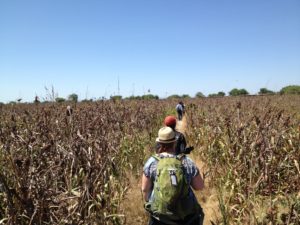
179,135
178,132
152,158
150,166
190,166
189,161
150,161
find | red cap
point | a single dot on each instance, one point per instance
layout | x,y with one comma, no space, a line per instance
170,121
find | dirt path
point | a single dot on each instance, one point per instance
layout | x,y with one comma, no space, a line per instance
207,198
132,206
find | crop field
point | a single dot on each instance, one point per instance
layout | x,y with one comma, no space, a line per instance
78,166
251,148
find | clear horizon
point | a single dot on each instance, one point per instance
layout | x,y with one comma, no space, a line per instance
102,48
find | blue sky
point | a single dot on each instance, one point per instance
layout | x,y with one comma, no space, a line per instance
167,46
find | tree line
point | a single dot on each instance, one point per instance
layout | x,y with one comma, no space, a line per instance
52,97
291,89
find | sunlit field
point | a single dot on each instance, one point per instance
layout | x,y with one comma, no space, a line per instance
83,166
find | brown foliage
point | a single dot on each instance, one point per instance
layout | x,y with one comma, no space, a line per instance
69,168
251,145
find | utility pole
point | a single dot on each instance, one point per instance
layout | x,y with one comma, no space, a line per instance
118,86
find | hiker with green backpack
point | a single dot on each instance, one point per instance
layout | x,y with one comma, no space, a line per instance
167,184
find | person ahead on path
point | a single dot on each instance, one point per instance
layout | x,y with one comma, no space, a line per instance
170,121
181,145
183,106
167,183
180,110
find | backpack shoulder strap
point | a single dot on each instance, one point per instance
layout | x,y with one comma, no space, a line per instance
156,156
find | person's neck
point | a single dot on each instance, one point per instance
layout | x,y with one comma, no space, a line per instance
170,151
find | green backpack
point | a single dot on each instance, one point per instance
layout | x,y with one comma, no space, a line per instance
170,200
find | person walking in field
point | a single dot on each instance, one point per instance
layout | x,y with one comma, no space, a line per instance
181,145
167,183
180,110
183,107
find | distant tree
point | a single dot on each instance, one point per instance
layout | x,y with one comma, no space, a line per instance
87,100
73,97
150,96
59,99
185,96
291,89
234,92
132,97
174,96
221,93
212,95
244,92
137,97
12,103
265,91
116,97
199,95
237,92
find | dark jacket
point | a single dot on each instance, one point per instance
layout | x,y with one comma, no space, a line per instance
181,143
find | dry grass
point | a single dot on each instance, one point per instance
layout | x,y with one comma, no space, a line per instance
71,168
250,148
208,197
132,206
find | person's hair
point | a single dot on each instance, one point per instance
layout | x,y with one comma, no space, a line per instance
173,126
166,146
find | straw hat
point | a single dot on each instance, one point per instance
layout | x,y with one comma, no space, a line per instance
166,135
